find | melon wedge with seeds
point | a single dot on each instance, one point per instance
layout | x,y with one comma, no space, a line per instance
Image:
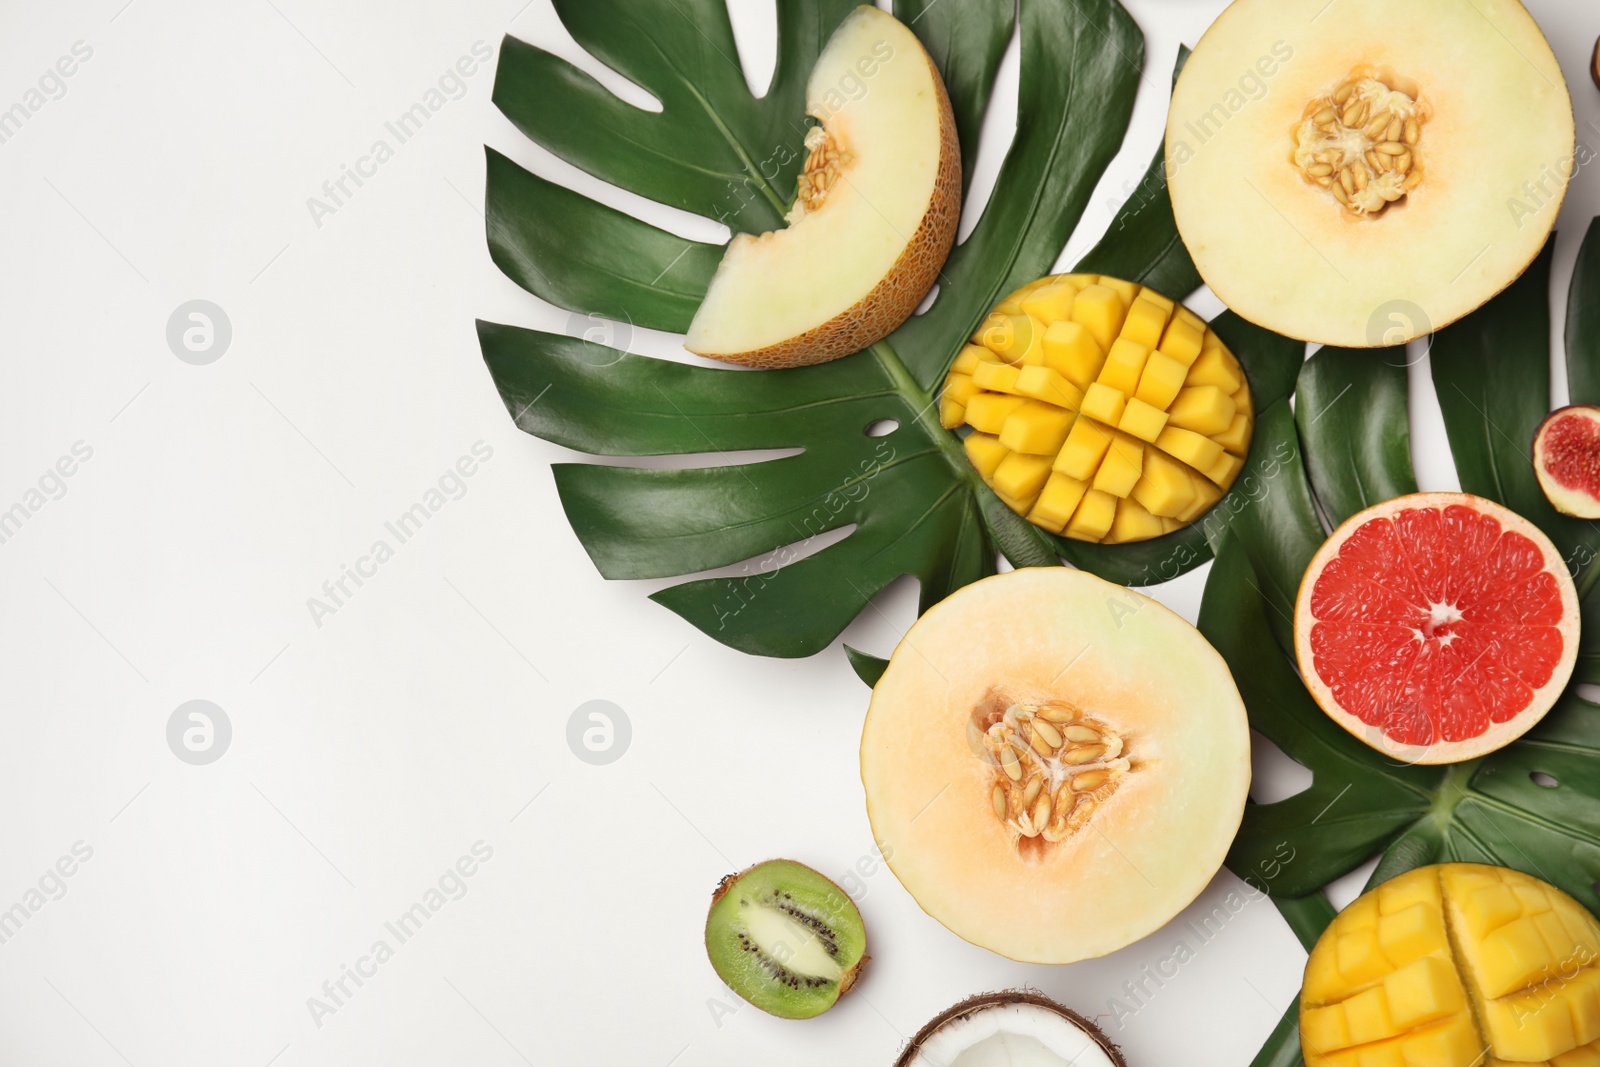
874,218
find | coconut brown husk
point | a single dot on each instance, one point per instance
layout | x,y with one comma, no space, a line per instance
989,1000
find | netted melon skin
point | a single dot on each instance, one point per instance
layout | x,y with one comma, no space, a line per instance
1455,965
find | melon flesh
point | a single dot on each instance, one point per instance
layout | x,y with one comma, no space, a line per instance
1151,834
1495,152
872,225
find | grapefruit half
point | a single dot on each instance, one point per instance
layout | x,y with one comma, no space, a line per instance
1436,627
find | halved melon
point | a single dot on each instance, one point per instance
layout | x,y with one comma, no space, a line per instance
1363,172
1054,765
874,217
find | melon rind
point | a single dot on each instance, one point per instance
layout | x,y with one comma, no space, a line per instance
1499,734
1498,153
1056,633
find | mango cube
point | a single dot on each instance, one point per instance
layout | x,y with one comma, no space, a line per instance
1085,447
1132,523
984,452
1216,367
1007,336
1100,311
1094,516
1046,384
1050,303
1146,319
1225,470
1128,291
1236,438
1163,488
1166,304
1325,1028
1103,403
1205,409
1205,495
1070,351
969,357
960,388
1120,470
1160,380
1194,449
1367,1015
987,412
1057,501
1124,363
1036,429
952,413
1142,421
1183,340
1021,477
997,377
1359,957
1423,991
1411,932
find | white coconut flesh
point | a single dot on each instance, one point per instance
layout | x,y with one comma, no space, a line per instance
1010,1035
1413,245
879,105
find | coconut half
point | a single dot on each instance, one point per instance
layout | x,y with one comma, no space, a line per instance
874,219
1365,172
1010,1030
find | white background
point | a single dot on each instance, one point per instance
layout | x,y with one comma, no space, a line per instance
372,751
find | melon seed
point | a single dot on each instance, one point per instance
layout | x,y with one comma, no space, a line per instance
1035,784
1081,733
1082,754
1089,781
999,798
1051,735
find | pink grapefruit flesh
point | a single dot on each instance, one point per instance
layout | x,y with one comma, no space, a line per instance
1566,458
1436,627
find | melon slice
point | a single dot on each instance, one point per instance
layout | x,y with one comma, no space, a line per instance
1362,173
1566,458
874,217
1054,765
1437,627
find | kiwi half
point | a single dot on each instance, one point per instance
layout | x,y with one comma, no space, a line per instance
785,938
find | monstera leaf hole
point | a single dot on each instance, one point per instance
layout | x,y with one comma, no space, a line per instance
1274,775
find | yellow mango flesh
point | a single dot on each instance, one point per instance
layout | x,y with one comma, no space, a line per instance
1137,415
1455,965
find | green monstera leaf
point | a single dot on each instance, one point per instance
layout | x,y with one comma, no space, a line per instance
1533,805
909,501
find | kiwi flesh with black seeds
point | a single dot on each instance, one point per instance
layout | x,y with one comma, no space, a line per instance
785,938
